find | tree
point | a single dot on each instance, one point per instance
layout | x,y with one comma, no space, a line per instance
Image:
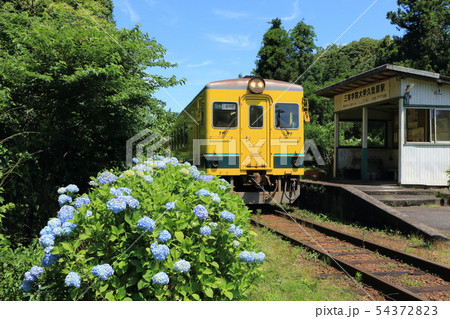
426,42
273,58
302,38
73,89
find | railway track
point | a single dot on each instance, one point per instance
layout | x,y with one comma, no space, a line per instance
397,275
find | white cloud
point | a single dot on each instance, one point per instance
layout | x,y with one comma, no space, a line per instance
198,65
230,14
125,6
239,41
295,12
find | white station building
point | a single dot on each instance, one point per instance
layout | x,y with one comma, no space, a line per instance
402,116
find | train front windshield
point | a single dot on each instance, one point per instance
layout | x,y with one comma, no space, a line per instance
287,116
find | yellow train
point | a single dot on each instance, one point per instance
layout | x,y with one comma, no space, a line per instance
250,132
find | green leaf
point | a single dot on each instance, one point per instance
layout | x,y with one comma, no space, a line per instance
228,294
209,292
179,236
121,293
110,296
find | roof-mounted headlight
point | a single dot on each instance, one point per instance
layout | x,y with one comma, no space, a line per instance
256,85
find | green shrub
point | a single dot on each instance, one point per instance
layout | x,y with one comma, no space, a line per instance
207,257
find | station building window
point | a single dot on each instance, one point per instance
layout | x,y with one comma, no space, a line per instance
428,125
225,115
350,133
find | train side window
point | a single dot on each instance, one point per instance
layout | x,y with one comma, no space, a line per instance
225,115
287,116
256,116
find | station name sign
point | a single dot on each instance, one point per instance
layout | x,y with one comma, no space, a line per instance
365,95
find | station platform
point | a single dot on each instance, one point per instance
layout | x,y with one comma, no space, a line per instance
382,204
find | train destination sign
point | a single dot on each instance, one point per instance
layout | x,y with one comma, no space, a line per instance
365,95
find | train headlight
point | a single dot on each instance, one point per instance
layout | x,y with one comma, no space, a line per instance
256,85
215,163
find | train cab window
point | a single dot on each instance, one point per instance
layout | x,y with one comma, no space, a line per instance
287,116
256,116
225,115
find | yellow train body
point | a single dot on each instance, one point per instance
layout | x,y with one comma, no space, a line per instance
254,140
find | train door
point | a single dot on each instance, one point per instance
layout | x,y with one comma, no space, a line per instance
254,129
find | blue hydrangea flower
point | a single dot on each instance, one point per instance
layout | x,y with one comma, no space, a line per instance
49,259
29,277
106,178
131,202
148,178
80,201
203,192
236,230
164,236
135,160
26,286
182,266
213,225
201,212
57,231
103,271
215,198
47,230
206,178
88,214
141,167
61,190
195,174
72,188
246,256
66,213
160,252
170,205
222,187
73,280
160,278
54,222
224,181
67,227
205,230
120,191
227,216
47,240
161,165
146,223
116,205
259,257
62,199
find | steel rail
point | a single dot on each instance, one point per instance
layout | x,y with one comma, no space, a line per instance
424,264
391,290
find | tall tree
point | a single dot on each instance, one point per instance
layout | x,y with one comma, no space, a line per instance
73,89
302,37
273,58
426,42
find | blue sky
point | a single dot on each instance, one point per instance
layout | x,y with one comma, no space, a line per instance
216,40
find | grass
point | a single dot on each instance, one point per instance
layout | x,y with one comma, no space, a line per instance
289,275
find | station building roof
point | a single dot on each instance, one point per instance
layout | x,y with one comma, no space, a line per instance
380,73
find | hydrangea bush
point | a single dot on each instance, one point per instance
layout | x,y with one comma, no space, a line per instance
161,230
